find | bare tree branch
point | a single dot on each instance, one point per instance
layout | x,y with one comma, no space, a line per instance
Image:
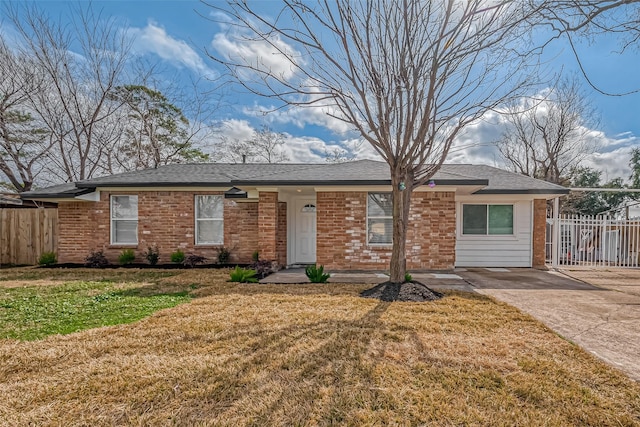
407,75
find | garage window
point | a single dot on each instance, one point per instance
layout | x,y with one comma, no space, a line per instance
487,219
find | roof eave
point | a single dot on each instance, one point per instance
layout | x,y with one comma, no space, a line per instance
524,191
154,184
48,196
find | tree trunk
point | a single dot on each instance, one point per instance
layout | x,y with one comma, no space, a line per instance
401,202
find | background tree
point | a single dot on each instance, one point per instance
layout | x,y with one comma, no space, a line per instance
407,75
23,141
338,155
80,66
264,146
157,132
268,146
634,163
547,138
584,203
594,202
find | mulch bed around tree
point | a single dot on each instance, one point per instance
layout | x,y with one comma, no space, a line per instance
408,291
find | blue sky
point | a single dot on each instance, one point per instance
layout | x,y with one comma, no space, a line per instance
172,34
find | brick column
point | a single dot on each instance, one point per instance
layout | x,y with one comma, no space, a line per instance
282,234
539,232
268,225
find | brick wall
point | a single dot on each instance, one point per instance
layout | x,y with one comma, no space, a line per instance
539,232
281,234
342,232
268,225
240,230
165,219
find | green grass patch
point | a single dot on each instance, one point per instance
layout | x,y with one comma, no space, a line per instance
34,312
92,274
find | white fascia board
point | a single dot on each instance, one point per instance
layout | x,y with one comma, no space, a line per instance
381,188
498,197
89,197
181,189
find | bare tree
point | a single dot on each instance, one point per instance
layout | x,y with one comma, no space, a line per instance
588,19
547,138
407,75
268,146
345,152
264,146
81,65
23,141
591,17
338,155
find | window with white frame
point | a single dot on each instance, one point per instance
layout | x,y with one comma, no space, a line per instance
209,220
380,218
487,219
124,220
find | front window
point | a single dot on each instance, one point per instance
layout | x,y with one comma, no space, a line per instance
380,218
209,220
124,220
487,219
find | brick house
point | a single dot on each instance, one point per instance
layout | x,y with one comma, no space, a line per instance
337,215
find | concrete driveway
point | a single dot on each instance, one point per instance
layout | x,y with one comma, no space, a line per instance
603,319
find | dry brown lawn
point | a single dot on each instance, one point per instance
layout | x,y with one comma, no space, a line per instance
312,355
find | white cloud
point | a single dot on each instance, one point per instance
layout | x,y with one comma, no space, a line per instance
236,129
475,145
299,149
154,39
613,163
316,115
275,56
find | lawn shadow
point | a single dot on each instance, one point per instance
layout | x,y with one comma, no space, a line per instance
269,378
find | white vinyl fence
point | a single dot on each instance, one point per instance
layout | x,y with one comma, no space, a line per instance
593,241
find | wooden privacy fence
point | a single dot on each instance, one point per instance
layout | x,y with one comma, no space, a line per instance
593,241
26,233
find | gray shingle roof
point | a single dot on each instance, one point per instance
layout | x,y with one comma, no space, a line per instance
505,182
361,172
56,192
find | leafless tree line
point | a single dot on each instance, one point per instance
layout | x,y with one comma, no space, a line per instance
548,136
69,110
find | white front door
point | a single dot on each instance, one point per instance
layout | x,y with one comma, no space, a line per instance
304,233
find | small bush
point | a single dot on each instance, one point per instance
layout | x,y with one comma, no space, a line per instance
126,257
408,277
223,255
48,258
316,274
263,268
193,260
242,275
152,255
96,259
177,257
255,256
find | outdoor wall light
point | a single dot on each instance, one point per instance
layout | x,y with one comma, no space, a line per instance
431,184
